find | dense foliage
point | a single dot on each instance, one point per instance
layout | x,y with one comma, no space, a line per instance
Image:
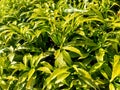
59,45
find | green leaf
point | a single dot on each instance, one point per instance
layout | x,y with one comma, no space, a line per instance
85,76
85,73
61,77
11,56
26,58
3,85
66,57
56,37
96,66
46,64
100,54
41,56
111,87
30,83
73,49
44,69
104,74
90,83
1,70
19,66
30,73
23,77
115,69
115,25
14,28
59,62
55,74
98,13
106,71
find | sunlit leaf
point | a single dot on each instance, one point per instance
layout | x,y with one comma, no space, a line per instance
111,87
55,74
44,69
40,57
66,57
96,67
30,83
73,49
19,66
31,72
100,54
104,74
62,77
116,66
23,77
46,64
59,44
59,62
11,56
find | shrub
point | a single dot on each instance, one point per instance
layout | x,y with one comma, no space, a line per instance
59,45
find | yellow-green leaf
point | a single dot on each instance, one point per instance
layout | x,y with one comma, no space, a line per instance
96,67
73,49
111,87
55,74
23,77
66,57
61,77
116,67
100,54
30,83
44,69
30,73
59,62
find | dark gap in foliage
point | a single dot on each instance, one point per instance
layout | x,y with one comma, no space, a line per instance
40,79
51,60
115,8
108,29
22,41
94,38
94,61
85,16
117,28
118,1
119,48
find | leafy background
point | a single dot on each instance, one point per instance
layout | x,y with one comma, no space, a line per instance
59,45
